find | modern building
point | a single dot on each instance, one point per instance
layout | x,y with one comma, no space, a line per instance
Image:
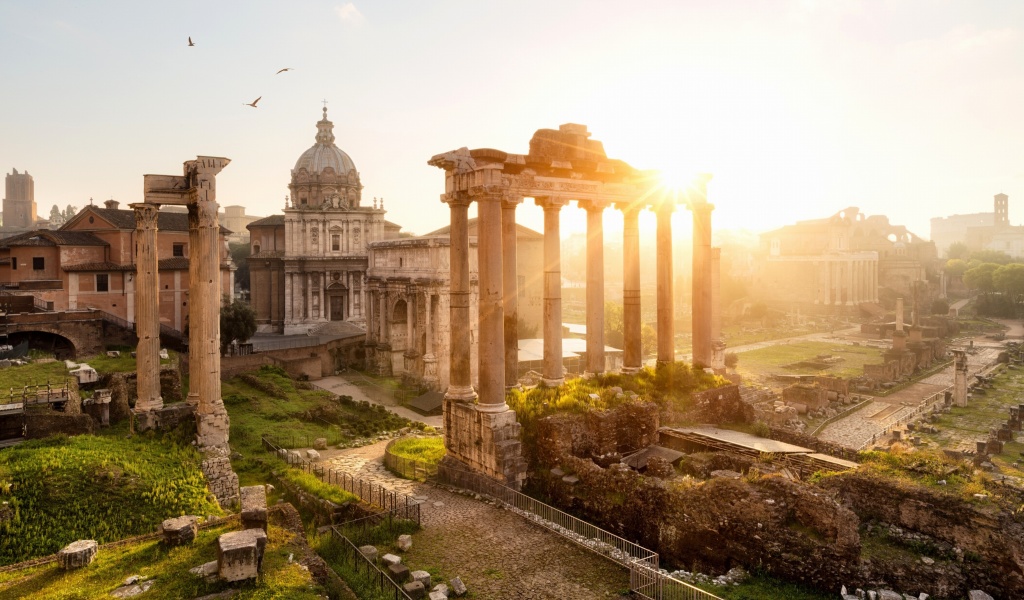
90,263
844,260
308,266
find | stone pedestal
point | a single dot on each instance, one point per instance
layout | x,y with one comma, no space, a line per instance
254,507
485,442
240,554
179,530
77,554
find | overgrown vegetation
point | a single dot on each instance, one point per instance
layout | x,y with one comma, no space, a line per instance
311,484
428,450
64,489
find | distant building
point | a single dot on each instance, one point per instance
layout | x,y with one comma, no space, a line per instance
90,263
976,230
840,261
408,284
19,204
307,267
232,218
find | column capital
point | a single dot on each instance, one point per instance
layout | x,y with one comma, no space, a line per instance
629,208
145,215
593,205
458,198
703,207
552,203
512,201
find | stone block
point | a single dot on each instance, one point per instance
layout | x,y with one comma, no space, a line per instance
404,542
422,577
77,554
978,595
414,590
437,596
320,443
370,552
458,588
391,559
294,457
312,455
240,554
205,570
889,595
179,530
440,589
254,507
398,572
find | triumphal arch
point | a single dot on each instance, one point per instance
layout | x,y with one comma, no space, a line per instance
563,165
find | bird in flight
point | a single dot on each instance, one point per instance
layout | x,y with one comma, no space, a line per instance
253,103
190,41
283,70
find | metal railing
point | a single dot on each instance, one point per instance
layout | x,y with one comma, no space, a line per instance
399,505
365,569
646,579
407,467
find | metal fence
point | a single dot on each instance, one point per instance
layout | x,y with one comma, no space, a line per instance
646,579
399,505
307,440
365,569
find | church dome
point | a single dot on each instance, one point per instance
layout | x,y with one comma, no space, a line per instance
324,154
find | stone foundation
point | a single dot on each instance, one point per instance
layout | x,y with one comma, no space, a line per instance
220,479
487,443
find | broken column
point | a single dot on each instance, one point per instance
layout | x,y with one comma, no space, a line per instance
77,554
595,285
960,378
632,355
147,311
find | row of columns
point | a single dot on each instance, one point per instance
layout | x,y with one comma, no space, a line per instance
848,281
498,341
299,292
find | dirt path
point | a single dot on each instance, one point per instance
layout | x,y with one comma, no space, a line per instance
497,553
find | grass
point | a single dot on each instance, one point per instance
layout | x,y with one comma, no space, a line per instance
168,567
383,536
429,450
105,488
763,587
313,485
767,361
35,373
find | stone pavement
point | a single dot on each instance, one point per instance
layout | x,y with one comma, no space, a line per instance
337,384
498,554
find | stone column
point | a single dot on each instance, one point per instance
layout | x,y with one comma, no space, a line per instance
828,281
409,316
554,373
362,292
666,321
960,374
491,345
204,319
147,311
429,360
848,280
702,283
632,355
716,290
460,387
510,281
595,285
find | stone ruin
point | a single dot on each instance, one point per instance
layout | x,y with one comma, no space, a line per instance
563,165
195,189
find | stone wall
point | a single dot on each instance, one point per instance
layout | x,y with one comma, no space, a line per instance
720,405
628,427
41,425
232,366
303,368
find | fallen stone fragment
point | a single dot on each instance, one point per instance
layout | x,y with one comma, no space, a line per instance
398,572
77,554
458,588
414,589
391,559
404,542
370,552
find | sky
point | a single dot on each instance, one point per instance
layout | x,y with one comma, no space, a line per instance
908,108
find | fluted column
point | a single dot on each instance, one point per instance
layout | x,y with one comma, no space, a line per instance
147,308
702,283
554,373
491,345
632,358
510,282
460,386
595,285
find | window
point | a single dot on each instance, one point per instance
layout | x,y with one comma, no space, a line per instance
102,282
335,242
14,263
178,250
38,263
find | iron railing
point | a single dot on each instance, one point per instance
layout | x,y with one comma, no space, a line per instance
646,579
399,505
366,570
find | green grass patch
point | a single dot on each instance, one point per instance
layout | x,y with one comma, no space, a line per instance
766,361
311,484
168,567
121,364
429,450
64,489
764,587
35,373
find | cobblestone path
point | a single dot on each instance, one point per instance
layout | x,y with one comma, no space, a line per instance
498,554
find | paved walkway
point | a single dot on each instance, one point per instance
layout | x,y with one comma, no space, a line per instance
343,387
498,554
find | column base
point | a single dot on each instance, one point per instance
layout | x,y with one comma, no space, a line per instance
552,382
485,442
631,370
460,394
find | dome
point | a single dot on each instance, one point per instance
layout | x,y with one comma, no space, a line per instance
324,153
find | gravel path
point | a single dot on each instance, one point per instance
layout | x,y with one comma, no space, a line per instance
498,554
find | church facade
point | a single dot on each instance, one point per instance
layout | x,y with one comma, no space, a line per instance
308,266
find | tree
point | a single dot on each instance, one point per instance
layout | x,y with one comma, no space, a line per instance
56,218
992,256
525,331
237,323
69,212
940,307
1009,279
980,277
240,256
957,250
732,359
614,325
955,268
